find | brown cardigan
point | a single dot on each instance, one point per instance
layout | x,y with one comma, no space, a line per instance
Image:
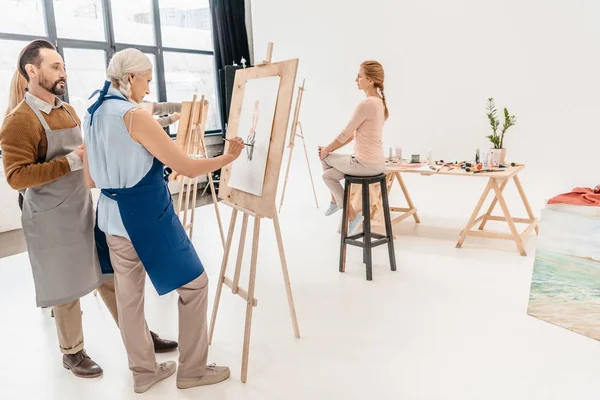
24,145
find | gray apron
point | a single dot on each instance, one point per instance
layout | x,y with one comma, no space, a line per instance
58,222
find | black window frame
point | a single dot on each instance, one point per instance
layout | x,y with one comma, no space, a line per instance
110,46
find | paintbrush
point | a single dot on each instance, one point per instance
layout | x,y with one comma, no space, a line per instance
247,144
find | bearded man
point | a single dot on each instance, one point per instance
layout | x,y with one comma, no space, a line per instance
42,152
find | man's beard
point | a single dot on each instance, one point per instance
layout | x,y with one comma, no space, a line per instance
53,87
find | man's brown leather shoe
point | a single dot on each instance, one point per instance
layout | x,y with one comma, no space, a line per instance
81,365
163,345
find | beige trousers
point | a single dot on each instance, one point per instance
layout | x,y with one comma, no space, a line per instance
68,319
336,165
130,278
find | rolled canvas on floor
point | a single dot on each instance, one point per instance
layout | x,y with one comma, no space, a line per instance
565,287
256,124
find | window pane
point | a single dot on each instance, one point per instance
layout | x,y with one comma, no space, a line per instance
79,19
8,66
189,74
25,17
133,21
86,70
186,24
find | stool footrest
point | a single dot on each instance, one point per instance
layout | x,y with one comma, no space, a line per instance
357,236
375,243
356,243
380,242
362,235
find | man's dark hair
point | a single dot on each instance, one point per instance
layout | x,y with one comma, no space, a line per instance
31,55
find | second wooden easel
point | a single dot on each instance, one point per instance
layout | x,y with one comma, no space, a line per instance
297,125
190,136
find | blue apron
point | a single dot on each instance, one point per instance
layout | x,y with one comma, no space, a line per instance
153,227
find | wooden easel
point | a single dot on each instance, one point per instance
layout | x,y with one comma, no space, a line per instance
255,206
190,136
296,124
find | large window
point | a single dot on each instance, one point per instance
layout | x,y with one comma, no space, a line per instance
175,34
85,70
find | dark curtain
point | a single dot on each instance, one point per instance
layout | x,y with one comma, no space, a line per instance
231,44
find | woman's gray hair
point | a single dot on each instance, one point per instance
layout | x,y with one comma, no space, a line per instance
123,64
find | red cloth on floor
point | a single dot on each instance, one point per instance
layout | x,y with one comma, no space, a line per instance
579,197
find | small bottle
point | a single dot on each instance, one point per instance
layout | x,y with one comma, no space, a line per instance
477,157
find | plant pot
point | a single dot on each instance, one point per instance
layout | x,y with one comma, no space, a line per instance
498,156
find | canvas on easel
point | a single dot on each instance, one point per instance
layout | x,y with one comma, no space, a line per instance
293,134
190,137
264,132
255,125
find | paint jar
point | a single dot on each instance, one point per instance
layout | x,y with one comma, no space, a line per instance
415,158
399,154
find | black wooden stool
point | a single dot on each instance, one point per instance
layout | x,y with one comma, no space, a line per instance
367,243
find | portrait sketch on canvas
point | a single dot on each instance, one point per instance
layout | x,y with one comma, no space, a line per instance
255,126
251,139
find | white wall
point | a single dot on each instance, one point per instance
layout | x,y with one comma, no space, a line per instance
443,59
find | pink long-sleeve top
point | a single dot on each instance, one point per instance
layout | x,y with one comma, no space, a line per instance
366,125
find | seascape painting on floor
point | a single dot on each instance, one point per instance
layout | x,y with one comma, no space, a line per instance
565,287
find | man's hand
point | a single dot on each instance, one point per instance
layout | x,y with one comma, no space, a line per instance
175,117
323,153
79,151
236,145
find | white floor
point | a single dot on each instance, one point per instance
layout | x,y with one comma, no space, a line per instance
449,324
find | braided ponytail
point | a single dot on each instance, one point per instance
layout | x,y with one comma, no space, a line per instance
387,113
123,85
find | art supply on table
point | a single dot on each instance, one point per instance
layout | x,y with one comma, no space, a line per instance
415,158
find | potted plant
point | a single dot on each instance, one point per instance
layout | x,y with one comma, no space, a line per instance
498,151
